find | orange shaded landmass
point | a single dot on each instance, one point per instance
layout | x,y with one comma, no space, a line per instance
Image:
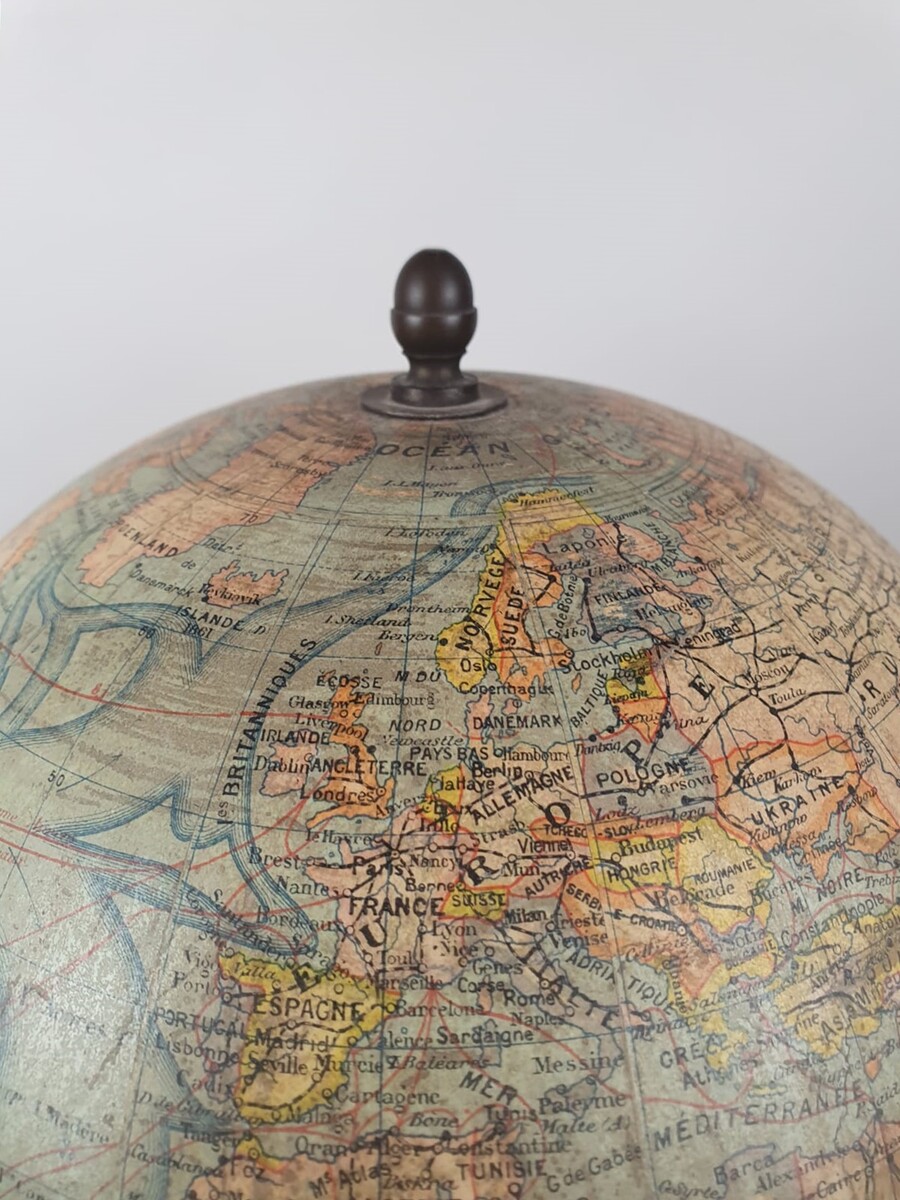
288,768
632,901
352,786
665,893
349,786
229,587
636,696
265,480
23,539
443,800
520,661
783,796
632,925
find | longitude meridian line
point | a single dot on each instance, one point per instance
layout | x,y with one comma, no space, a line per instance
382,1047
47,794
24,648
23,1178
746,1003
51,791
773,597
189,856
314,513
118,607
264,501
224,496
647,495
195,484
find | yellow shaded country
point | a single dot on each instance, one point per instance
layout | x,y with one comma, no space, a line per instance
635,694
299,1035
535,517
462,901
718,876
638,682
250,1147
843,983
443,799
722,878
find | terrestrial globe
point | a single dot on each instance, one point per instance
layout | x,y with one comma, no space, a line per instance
448,788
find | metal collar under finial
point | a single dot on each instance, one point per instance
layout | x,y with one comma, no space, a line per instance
433,319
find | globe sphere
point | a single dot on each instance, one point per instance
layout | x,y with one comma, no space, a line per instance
485,808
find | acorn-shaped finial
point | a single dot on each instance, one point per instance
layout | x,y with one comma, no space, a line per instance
433,319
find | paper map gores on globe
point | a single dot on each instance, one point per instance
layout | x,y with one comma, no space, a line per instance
448,812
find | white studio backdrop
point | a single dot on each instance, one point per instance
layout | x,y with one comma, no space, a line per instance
695,201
